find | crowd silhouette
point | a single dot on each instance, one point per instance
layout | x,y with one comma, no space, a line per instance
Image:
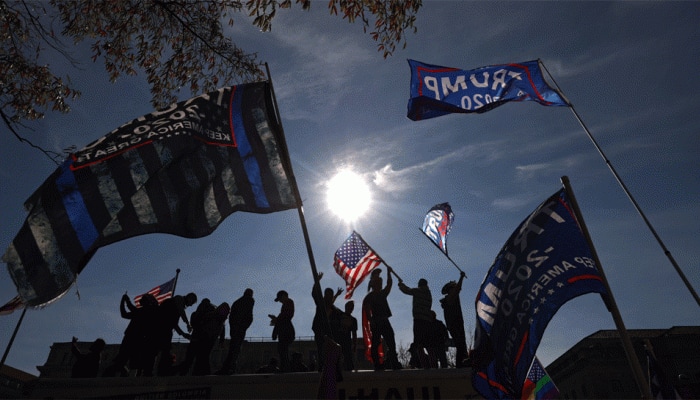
145,349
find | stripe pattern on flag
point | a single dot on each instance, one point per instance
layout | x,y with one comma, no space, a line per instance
161,292
353,261
179,171
539,385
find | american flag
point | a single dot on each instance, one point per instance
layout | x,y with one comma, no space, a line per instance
353,261
162,292
367,337
15,304
539,385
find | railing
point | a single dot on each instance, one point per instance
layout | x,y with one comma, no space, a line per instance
252,339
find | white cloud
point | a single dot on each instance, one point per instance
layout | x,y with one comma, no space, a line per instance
526,172
389,179
511,203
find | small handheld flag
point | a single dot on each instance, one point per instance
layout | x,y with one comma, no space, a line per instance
437,224
436,90
161,292
353,261
539,385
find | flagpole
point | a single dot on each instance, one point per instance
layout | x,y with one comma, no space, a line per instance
391,269
177,273
446,255
293,181
610,299
12,339
627,192
297,195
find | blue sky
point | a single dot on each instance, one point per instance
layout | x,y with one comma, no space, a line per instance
629,68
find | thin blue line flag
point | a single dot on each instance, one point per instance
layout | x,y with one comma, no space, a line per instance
545,263
437,224
436,90
181,171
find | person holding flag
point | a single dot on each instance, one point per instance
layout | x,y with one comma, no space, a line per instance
376,307
422,317
137,346
452,309
170,312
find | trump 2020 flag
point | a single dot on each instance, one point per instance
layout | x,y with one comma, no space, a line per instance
437,224
180,171
539,385
437,90
161,292
545,263
353,261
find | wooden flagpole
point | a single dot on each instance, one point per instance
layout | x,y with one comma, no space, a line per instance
610,300
627,192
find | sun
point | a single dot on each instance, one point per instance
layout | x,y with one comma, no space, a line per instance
348,195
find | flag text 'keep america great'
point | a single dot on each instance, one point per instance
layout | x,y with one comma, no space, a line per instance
191,118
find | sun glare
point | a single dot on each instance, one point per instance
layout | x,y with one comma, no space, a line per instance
348,195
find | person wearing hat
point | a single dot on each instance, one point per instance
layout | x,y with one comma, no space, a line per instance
283,330
422,317
454,320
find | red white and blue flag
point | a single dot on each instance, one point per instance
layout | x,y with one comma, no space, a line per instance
436,90
353,261
539,385
437,224
180,171
161,292
546,262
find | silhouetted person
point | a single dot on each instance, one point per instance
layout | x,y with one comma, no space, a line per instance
137,346
413,356
454,320
239,321
170,312
87,364
271,367
213,328
207,324
437,340
348,336
376,307
326,320
283,330
421,311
